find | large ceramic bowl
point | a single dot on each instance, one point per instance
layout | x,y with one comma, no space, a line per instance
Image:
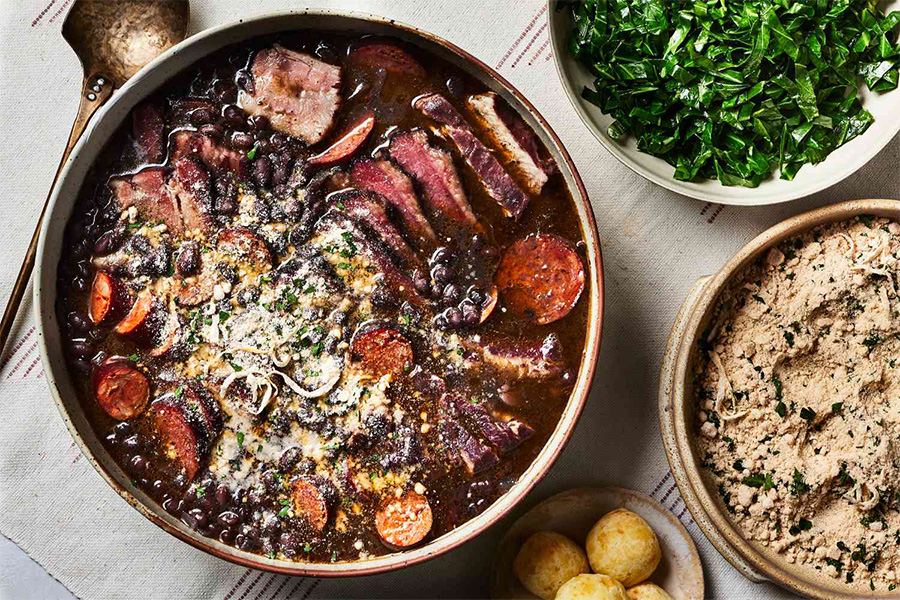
812,178
106,123
676,414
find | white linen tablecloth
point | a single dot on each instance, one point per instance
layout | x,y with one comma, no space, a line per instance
655,244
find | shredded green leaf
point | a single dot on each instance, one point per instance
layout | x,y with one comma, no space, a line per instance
735,90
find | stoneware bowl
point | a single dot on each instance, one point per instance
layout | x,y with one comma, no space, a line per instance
839,165
676,414
105,124
573,513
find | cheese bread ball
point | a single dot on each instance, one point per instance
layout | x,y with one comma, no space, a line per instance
592,587
624,547
647,591
546,561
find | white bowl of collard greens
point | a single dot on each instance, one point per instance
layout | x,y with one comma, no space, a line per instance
777,99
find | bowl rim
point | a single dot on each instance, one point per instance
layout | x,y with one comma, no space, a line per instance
705,192
674,401
548,454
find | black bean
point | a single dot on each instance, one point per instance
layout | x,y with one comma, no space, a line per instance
421,282
478,241
224,90
271,480
454,316
263,144
241,140
158,486
290,544
279,141
105,244
201,116
111,439
272,526
227,272
170,505
470,313
327,52
188,261
132,443
281,172
476,295
137,464
383,298
82,365
289,459
442,256
452,293
440,322
228,519
245,80
82,349
78,323
456,86
233,115
293,209
212,131
122,429
490,252
262,171
207,503
248,295
227,535
277,213
223,495
190,520
441,274
258,122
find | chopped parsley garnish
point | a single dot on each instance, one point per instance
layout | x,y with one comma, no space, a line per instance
837,408
240,438
807,414
134,358
781,409
252,154
802,525
789,337
799,484
179,391
135,225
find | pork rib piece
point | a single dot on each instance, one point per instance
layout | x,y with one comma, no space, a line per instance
371,209
385,178
218,159
513,138
433,169
493,176
296,92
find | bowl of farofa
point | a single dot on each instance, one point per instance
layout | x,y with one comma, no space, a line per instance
777,403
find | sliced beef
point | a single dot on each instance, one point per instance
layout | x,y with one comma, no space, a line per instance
385,178
509,134
148,128
337,224
495,179
541,278
148,193
504,436
218,159
437,177
525,360
191,185
299,94
458,443
372,209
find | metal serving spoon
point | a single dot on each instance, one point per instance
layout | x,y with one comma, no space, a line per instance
113,40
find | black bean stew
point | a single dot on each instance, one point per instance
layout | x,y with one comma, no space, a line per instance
322,297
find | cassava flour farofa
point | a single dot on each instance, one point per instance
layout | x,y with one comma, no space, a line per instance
798,389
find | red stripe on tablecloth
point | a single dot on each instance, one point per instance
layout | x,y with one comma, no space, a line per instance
238,584
540,51
311,588
31,367
290,594
42,13
669,493
716,213
269,583
15,348
549,56
521,37
251,586
61,8
661,483
280,587
705,208
534,38
22,360
41,374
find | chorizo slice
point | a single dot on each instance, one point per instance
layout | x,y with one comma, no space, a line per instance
405,521
120,388
144,321
201,401
109,299
180,431
541,278
384,55
169,338
381,350
243,244
347,145
309,503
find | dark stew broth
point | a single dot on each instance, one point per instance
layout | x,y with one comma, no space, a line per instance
321,296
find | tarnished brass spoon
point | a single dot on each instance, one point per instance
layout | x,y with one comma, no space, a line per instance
113,40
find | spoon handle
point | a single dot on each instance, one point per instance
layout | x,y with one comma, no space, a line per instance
95,91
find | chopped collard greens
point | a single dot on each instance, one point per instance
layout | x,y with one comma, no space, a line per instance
732,90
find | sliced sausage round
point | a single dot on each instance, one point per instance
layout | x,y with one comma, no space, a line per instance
197,289
109,299
169,339
201,401
347,145
381,350
405,521
120,388
309,503
180,431
540,277
243,244
144,321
